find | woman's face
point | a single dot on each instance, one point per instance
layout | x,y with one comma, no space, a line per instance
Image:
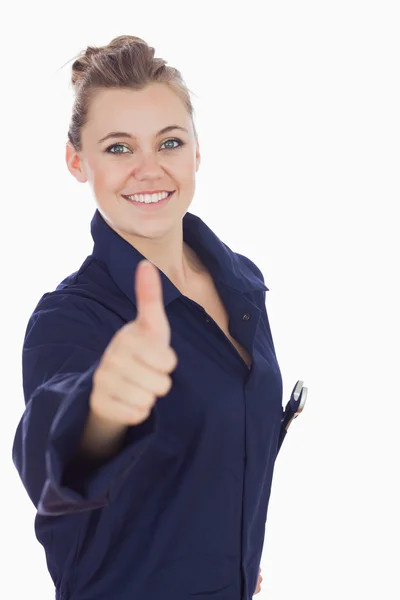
139,160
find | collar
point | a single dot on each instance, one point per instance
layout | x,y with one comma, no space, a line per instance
121,258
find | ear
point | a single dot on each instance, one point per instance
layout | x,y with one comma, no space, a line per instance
74,163
198,156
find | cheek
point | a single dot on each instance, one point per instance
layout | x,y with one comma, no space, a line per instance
186,171
107,179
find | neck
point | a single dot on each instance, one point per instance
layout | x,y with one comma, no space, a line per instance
180,263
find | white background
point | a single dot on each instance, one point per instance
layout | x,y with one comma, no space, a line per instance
297,110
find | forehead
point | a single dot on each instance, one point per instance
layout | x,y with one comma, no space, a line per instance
153,107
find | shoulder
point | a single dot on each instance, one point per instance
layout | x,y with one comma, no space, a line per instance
77,309
252,266
253,274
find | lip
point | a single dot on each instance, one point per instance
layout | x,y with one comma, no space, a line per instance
149,192
150,206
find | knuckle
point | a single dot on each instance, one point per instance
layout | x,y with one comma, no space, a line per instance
165,385
172,360
143,399
141,415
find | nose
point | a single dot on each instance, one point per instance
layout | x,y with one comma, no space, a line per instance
147,164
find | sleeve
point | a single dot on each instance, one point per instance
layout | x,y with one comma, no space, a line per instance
63,345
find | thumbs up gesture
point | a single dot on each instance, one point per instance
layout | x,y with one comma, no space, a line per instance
135,366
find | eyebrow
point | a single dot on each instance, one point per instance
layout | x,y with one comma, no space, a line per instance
124,134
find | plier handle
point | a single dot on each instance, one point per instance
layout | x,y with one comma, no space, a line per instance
292,410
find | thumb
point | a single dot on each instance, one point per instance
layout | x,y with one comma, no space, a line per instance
151,316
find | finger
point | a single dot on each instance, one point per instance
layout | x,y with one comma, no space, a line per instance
151,316
134,344
125,413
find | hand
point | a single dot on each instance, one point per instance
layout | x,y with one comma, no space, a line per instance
259,580
135,366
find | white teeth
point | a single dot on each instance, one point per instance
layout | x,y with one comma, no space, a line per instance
147,198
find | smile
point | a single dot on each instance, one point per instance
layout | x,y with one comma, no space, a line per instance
149,201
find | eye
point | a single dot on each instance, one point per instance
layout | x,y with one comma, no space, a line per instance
116,146
177,140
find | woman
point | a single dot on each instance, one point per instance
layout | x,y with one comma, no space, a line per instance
153,393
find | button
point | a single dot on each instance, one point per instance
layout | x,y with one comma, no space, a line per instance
208,319
246,317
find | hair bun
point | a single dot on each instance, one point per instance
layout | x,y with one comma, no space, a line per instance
125,40
84,60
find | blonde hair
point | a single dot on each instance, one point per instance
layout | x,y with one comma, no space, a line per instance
127,62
